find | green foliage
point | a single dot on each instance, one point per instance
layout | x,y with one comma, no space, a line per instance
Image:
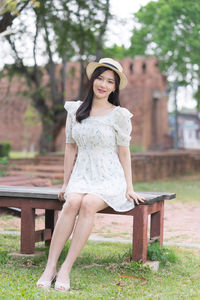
30,117
3,257
4,154
162,254
14,6
3,166
170,30
116,52
197,97
75,26
4,149
136,148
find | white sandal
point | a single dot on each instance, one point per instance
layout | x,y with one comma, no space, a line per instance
45,284
62,287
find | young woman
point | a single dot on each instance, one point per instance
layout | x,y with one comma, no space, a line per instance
98,131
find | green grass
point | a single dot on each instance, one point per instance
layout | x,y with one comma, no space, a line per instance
16,154
187,188
96,274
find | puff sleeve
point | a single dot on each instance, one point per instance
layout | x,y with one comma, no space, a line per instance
71,107
123,126
68,129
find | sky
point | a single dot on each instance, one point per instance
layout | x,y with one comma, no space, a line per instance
120,32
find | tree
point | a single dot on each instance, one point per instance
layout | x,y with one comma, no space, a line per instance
66,29
115,51
10,9
170,29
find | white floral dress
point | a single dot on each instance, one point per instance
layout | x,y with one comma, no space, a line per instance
97,169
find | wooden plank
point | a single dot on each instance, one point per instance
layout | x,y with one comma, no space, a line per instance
157,223
42,235
153,240
29,192
140,226
51,217
31,202
166,196
52,193
14,211
27,230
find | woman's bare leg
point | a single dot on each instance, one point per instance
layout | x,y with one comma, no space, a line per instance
62,232
89,206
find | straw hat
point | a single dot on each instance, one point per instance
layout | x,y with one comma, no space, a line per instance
111,64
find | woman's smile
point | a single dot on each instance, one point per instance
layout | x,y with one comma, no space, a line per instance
101,91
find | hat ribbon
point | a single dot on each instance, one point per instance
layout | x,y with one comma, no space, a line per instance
110,65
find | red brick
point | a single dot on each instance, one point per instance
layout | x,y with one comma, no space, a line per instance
150,121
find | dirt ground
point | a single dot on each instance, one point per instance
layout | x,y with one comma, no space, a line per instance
181,224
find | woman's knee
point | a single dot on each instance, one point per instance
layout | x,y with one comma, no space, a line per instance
88,205
72,203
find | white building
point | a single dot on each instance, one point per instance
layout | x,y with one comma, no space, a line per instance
189,130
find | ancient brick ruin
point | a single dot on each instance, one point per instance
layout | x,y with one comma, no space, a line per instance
145,96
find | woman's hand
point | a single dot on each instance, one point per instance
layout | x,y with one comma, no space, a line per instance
131,195
62,192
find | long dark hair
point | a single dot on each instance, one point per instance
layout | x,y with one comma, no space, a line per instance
84,109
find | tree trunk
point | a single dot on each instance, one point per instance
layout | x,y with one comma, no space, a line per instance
83,83
50,132
46,141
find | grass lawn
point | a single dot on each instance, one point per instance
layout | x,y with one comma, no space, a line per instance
97,274
19,154
187,187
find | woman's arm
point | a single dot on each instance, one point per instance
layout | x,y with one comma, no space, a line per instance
69,158
125,159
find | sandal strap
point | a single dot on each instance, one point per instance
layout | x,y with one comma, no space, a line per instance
46,283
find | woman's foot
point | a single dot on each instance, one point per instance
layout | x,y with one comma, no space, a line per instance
62,282
62,286
47,278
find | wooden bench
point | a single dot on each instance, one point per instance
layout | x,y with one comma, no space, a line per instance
30,198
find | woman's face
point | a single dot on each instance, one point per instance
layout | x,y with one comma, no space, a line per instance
104,84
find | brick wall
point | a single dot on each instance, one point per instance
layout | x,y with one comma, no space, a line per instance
146,166
144,96
14,126
151,166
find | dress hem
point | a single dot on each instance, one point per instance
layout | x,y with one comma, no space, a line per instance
67,193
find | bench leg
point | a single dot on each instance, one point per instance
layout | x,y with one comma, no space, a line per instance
27,230
140,226
51,217
157,220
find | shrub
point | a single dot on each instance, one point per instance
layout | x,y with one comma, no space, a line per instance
3,166
136,148
4,149
162,254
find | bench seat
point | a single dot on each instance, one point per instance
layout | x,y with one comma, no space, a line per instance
30,198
